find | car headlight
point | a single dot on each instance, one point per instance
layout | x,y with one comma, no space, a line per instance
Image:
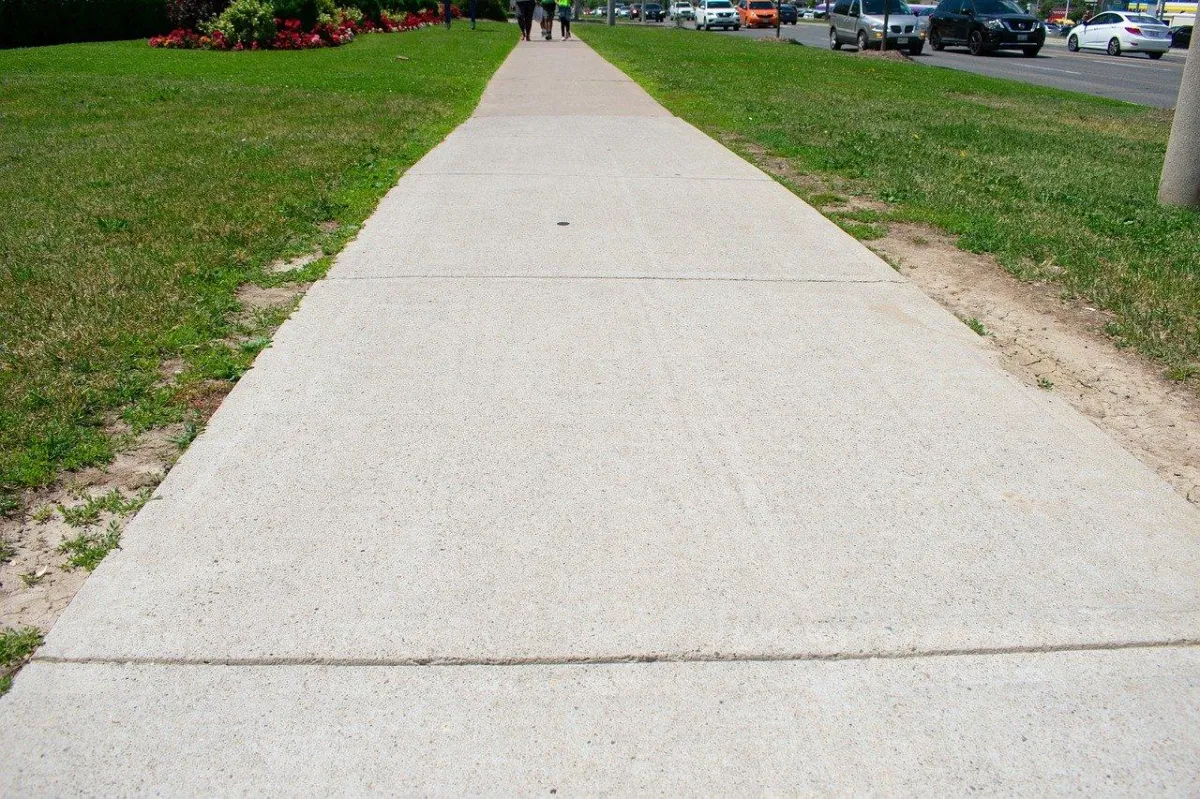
994,24
876,26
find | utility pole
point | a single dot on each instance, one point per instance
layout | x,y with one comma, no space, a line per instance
778,16
612,12
883,44
1180,184
446,5
474,3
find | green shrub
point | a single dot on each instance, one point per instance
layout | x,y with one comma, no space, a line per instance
25,23
307,11
484,9
246,21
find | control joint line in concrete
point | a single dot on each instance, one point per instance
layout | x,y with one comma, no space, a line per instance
694,178
669,279
606,660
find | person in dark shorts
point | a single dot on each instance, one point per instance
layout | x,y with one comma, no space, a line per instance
525,17
548,19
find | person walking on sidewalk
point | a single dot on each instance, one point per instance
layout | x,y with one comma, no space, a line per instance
564,17
547,19
525,17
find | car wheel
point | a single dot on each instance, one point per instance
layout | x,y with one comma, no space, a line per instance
935,41
834,44
1073,44
1031,52
975,43
737,27
1114,46
1154,56
862,42
916,49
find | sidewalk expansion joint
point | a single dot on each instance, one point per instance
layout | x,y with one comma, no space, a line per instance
587,176
851,281
630,659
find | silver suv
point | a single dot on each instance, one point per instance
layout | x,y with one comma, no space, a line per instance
860,22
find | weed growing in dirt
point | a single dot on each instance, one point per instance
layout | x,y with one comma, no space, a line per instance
16,647
976,325
114,502
1045,383
86,550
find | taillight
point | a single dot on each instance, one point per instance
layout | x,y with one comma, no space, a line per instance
1134,31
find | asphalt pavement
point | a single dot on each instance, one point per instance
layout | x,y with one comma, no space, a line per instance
1132,78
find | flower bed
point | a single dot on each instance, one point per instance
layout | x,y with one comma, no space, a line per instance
289,34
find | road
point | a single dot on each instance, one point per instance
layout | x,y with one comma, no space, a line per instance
1134,79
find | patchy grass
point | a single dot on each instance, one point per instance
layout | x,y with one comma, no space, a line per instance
139,188
114,502
86,550
1056,185
16,647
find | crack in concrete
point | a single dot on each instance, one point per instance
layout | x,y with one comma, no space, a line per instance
626,659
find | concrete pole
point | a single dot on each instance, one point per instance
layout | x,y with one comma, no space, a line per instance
612,12
1180,184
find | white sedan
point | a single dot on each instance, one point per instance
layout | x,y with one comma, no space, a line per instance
1120,32
682,11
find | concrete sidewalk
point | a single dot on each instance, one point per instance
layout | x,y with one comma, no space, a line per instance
663,499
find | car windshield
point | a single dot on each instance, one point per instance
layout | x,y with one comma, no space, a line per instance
760,5
997,7
1142,19
893,7
719,4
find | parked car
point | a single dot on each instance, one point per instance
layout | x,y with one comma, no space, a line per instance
860,22
984,26
621,11
682,11
788,15
716,14
1181,36
757,13
1117,32
923,13
655,12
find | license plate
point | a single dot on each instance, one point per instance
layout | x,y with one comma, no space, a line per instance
1022,37
902,40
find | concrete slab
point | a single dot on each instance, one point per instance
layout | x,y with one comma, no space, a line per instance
513,469
617,227
1089,723
627,147
571,82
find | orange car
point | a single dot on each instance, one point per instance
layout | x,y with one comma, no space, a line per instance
757,13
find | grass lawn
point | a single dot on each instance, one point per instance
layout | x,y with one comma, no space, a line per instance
140,187
1056,185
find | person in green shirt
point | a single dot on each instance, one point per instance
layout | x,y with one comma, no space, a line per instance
565,12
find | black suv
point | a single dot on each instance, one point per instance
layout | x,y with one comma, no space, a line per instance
655,12
788,14
984,26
